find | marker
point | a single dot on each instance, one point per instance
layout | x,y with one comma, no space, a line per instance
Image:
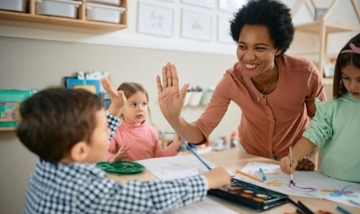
263,176
342,210
305,207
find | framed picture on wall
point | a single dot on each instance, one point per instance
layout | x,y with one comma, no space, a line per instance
202,3
92,85
231,5
223,34
155,20
196,25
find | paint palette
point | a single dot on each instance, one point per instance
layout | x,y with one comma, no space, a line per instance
121,167
251,195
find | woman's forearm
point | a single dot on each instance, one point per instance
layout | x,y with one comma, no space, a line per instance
187,131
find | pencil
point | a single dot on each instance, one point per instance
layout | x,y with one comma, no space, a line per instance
248,175
342,210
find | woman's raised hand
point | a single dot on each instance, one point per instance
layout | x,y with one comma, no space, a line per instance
171,98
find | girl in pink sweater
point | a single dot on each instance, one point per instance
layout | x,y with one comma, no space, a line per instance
134,139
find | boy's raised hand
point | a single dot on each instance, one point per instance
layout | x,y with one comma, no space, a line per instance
118,98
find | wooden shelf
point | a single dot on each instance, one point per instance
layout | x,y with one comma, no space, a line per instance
31,17
322,28
315,27
7,129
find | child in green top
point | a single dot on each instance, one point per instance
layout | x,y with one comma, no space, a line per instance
335,127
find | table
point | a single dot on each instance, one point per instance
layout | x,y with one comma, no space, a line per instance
235,159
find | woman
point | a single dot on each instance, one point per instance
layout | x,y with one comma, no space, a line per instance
274,91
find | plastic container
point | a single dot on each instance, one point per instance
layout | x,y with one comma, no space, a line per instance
205,99
103,13
15,5
108,2
195,98
63,8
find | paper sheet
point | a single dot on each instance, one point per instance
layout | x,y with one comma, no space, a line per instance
324,187
179,166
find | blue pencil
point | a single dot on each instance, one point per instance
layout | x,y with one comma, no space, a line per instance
263,176
342,210
197,156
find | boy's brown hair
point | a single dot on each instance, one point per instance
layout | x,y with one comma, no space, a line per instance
55,119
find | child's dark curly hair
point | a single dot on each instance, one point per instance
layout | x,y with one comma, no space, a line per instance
271,13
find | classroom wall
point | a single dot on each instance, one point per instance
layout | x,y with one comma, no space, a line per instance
28,59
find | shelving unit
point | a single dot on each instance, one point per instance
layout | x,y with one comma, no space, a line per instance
323,28
30,16
7,129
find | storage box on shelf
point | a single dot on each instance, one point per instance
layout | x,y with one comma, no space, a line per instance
103,13
13,5
106,2
67,12
64,8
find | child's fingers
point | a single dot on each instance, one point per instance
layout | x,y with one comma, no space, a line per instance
285,165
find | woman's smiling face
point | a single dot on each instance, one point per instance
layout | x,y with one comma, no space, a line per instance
256,51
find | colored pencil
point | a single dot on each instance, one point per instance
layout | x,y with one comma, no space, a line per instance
342,210
249,176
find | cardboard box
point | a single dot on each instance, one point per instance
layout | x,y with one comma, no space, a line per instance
9,106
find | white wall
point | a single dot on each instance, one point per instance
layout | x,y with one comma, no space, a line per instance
37,56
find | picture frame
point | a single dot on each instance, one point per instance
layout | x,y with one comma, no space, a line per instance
223,30
196,25
93,85
202,3
155,20
231,5
10,101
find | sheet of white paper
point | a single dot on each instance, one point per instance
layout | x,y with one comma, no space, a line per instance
207,206
179,166
324,187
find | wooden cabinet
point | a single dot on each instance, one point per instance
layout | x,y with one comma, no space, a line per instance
30,16
322,28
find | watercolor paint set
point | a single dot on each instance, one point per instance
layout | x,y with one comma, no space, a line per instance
251,195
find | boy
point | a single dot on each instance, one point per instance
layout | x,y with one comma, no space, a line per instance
69,132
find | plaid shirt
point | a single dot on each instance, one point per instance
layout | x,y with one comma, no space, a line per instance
84,188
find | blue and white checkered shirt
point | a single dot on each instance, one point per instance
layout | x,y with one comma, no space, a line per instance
84,188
